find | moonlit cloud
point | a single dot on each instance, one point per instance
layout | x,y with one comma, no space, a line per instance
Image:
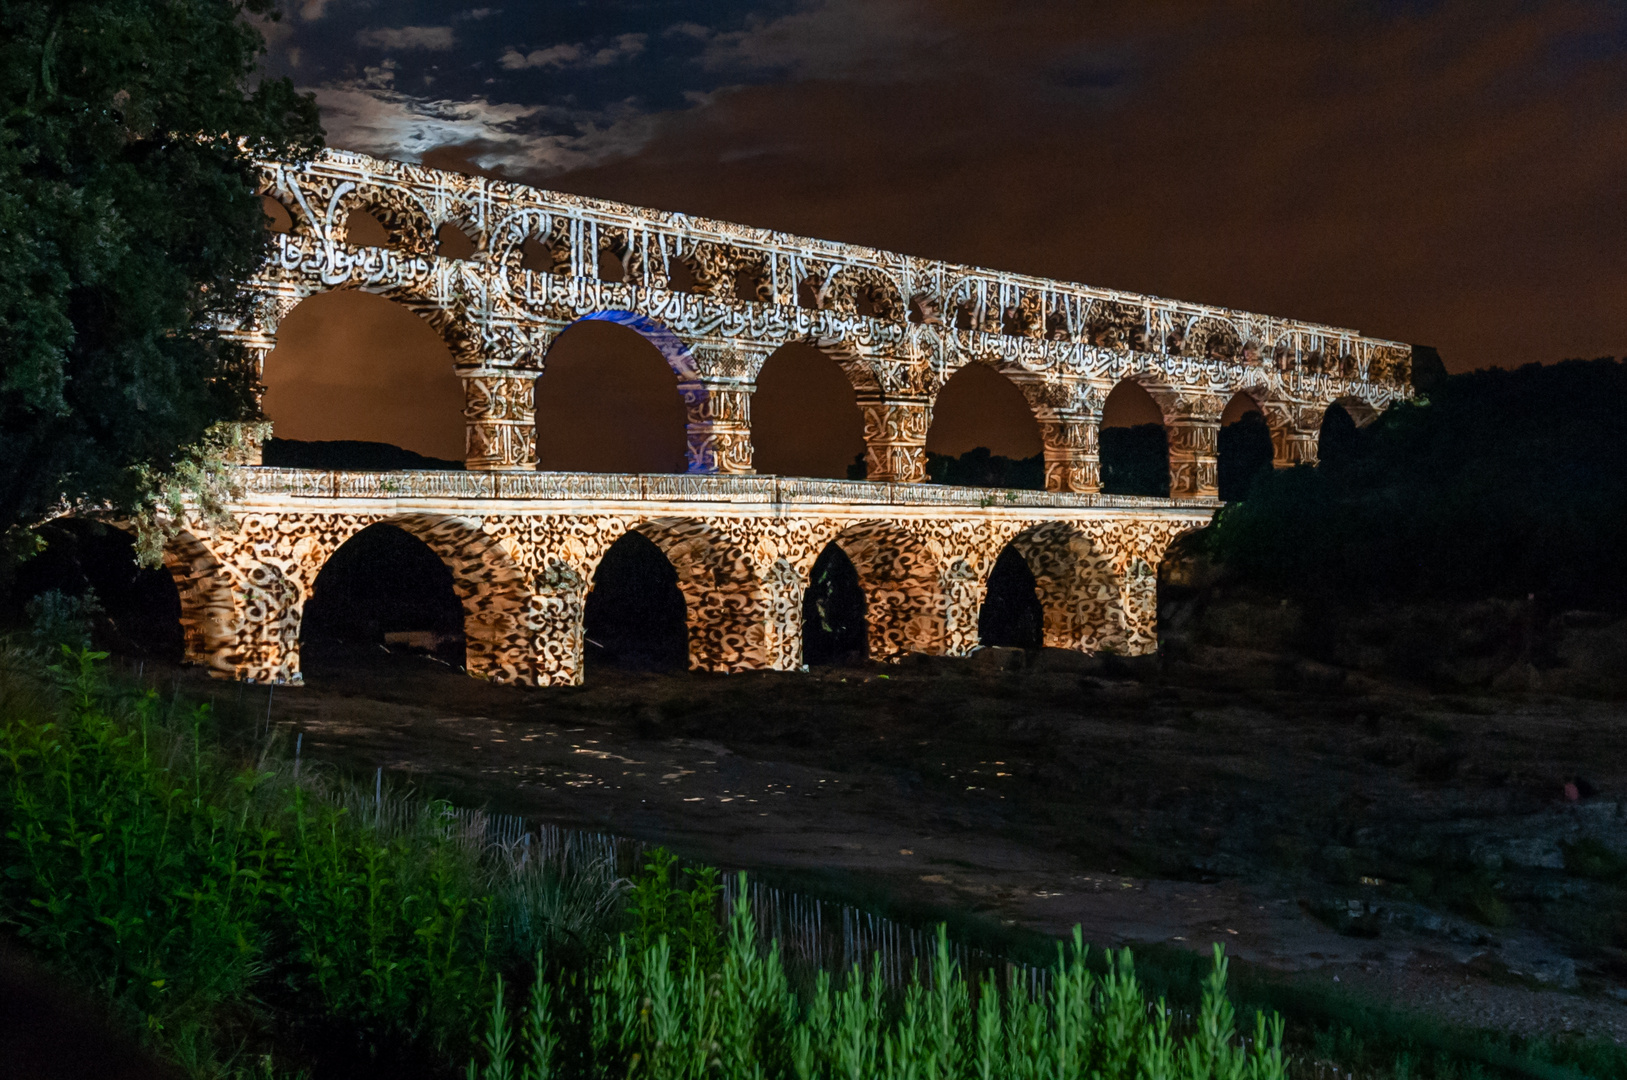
535,140
434,38
577,55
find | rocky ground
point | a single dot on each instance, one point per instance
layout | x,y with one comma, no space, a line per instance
1463,853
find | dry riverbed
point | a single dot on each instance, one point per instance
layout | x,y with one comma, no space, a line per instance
1460,854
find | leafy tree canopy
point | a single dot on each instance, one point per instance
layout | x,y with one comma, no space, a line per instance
128,218
1498,483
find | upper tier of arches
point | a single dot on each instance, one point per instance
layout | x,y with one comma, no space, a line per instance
616,244
500,270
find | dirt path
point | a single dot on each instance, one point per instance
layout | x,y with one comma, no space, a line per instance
1411,845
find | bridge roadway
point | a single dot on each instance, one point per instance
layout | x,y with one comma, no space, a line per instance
523,546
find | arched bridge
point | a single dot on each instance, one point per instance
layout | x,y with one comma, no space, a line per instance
716,299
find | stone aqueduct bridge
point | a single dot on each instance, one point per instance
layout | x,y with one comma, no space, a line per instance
717,299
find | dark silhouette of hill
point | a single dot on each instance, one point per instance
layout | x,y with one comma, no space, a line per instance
347,454
981,468
1497,483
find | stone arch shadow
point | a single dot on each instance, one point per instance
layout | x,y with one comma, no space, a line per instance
743,601
906,603
1088,599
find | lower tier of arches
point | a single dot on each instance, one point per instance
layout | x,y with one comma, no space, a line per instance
523,578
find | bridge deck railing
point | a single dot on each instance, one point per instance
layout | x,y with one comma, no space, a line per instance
533,485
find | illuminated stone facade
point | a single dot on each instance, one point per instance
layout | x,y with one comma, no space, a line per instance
523,548
717,299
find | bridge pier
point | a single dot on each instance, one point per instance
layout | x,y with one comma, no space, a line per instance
500,419
895,437
718,427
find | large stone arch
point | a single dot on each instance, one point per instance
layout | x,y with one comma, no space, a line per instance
498,632
716,392
435,319
806,418
902,578
1077,585
243,593
743,582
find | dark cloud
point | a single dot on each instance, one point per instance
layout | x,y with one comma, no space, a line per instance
1445,172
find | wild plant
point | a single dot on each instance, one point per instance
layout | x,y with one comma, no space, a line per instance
132,861
654,1015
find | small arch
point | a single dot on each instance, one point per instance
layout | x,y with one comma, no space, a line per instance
834,626
981,409
925,310
541,257
680,278
1134,443
805,418
1012,616
363,229
1024,318
1211,339
405,223
752,284
808,294
452,242
279,219
866,292
357,366
608,401
1114,325
966,315
611,265
383,587
1243,446
635,616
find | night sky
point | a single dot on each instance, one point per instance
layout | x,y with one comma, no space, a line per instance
1452,174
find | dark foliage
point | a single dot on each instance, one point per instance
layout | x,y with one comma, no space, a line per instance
1011,615
980,468
128,218
833,611
1428,371
137,609
635,617
1135,460
348,454
1339,437
1245,453
1499,484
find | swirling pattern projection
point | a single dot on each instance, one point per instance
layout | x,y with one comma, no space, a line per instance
743,549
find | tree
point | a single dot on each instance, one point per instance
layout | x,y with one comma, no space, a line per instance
128,219
1498,484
